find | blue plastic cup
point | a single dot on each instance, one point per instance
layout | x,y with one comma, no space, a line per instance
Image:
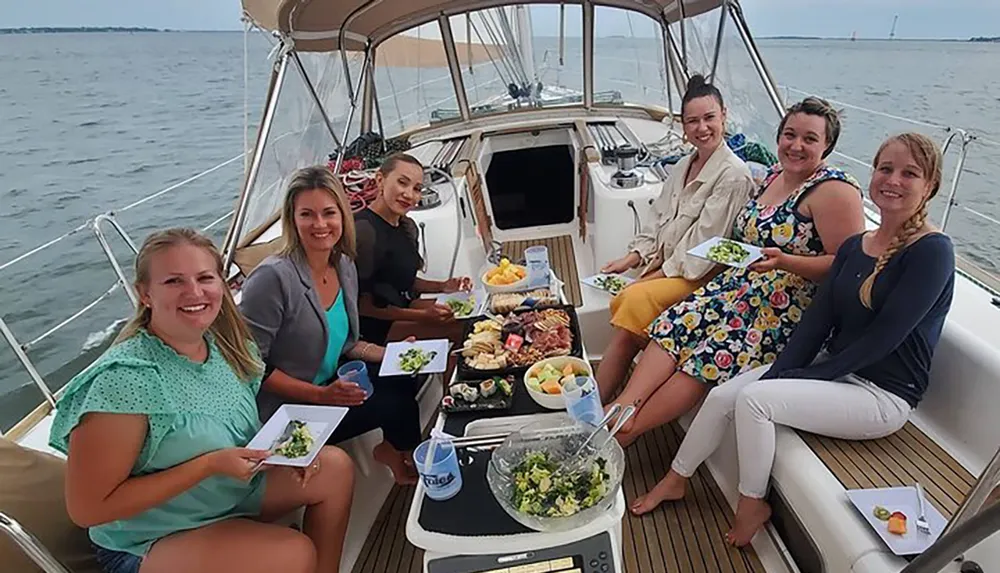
583,400
357,371
442,478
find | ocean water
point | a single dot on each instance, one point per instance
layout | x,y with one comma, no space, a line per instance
94,122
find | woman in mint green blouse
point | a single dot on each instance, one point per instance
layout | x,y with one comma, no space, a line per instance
155,433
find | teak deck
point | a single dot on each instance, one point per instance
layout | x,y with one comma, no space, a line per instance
901,459
684,537
562,260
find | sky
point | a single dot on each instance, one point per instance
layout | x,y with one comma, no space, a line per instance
838,18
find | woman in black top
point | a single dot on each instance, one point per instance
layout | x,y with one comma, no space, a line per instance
389,260
879,313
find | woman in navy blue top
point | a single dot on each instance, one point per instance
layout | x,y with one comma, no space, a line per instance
879,313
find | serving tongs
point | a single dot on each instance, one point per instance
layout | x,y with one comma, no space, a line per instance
581,458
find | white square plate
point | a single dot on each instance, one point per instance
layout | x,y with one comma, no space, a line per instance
321,421
594,281
902,499
393,350
478,299
701,251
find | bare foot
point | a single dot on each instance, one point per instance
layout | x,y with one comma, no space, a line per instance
751,515
671,488
402,473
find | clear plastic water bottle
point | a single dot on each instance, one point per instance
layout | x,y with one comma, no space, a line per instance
536,259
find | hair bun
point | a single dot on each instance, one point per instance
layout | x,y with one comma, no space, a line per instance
696,82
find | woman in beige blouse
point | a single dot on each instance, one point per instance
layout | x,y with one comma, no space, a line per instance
700,200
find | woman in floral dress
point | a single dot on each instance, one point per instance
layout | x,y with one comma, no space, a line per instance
740,320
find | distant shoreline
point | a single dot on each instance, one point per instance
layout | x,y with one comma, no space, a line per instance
849,39
77,30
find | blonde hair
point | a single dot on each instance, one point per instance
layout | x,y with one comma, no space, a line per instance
308,179
927,156
231,334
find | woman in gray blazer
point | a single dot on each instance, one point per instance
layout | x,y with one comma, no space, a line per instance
302,306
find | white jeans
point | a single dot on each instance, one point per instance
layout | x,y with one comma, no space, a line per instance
851,408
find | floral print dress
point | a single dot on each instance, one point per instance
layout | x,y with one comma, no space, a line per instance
742,319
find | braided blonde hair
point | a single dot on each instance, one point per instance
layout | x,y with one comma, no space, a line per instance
232,336
926,155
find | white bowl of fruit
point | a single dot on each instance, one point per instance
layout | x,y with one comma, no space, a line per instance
505,277
545,378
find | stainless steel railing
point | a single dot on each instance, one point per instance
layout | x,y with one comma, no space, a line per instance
30,545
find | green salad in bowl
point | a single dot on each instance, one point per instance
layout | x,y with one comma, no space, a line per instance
524,475
541,490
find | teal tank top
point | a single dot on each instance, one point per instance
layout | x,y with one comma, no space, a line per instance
338,329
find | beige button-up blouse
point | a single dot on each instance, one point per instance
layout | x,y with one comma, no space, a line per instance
687,215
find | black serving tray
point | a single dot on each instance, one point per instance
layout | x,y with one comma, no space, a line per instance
497,401
576,349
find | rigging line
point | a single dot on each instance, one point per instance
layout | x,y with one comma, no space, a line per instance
494,36
978,214
86,224
506,45
987,141
635,50
217,221
72,317
246,94
44,246
854,159
873,111
514,43
181,184
395,96
488,52
421,94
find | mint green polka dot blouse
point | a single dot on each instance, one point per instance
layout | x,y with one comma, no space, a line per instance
192,409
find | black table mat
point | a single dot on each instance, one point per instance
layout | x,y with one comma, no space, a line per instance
473,511
521,405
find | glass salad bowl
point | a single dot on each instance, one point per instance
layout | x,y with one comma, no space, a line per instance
520,475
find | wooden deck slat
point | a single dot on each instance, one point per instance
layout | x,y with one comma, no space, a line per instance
963,476
562,259
698,523
649,478
898,460
718,554
386,548
643,530
698,543
726,554
669,535
673,522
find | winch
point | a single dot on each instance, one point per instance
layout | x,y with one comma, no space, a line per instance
626,177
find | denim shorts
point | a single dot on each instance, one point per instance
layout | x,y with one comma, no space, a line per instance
117,561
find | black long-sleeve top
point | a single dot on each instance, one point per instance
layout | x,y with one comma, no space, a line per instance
890,345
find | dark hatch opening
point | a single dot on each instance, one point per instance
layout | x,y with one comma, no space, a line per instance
532,187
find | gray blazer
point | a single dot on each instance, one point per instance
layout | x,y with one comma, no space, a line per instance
288,322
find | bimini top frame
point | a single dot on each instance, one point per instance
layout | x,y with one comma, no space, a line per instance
319,25
362,25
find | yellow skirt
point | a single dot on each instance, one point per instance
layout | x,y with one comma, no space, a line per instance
636,307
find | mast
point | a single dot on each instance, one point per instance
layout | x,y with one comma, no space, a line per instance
524,33
892,32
